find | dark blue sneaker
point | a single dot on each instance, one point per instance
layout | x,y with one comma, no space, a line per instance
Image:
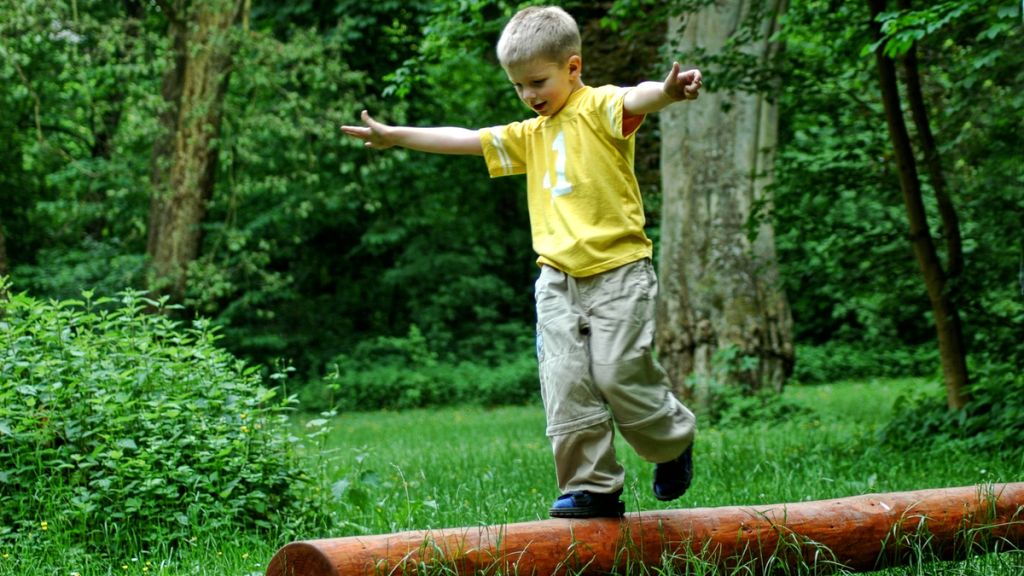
584,504
672,479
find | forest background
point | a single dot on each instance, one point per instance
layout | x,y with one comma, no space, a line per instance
390,276
358,280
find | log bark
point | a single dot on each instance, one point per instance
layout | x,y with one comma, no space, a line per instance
947,318
185,155
718,288
860,533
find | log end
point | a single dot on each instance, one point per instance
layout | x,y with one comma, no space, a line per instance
301,559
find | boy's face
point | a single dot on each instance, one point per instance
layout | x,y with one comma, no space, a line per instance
546,86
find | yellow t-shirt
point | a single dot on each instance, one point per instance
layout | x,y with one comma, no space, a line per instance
586,212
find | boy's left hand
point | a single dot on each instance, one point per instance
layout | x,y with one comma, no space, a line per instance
683,85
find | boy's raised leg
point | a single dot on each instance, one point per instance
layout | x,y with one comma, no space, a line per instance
636,387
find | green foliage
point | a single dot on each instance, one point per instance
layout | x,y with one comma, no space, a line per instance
992,421
730,406
850,273
837,361
127,428
313,244
399,373
905,27
723,398
61,272
79,94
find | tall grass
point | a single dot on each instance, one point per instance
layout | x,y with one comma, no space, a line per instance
384,472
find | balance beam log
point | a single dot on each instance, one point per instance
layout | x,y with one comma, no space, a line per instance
860,533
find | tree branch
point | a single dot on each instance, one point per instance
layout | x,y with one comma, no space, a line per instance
62,130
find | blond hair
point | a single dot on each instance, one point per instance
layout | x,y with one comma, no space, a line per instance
538,32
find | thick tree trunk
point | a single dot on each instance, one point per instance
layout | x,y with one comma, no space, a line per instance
185,156
947,318
720,289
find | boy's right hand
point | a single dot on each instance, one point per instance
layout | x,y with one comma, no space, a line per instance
375,134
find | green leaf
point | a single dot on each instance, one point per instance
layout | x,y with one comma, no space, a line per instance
339,487
871,48
1011,11
127,443
370,478
993,31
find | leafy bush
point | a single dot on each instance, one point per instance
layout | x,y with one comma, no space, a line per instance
992,420
735,406
837,361
397,373
125,428
61,272
722,399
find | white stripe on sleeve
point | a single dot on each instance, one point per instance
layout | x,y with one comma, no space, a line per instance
499,147
616,127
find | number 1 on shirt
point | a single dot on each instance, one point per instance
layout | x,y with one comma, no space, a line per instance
561,187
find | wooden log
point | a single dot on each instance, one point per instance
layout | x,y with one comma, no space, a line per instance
860,533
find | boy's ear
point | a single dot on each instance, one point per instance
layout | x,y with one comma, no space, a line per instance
575,66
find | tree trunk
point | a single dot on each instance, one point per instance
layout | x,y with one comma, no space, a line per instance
950,221
720,285
947,318
185,155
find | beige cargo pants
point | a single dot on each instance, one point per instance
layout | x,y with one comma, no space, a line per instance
594,341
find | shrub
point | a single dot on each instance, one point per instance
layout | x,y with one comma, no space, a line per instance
60,272
722,399
840,361
993,420
399,373
727,405
123,427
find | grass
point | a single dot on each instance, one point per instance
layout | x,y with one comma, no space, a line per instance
392,471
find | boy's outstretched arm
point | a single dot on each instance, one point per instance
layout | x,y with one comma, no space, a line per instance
650,97
441,140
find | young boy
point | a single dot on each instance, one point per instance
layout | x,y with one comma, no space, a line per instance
596,291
